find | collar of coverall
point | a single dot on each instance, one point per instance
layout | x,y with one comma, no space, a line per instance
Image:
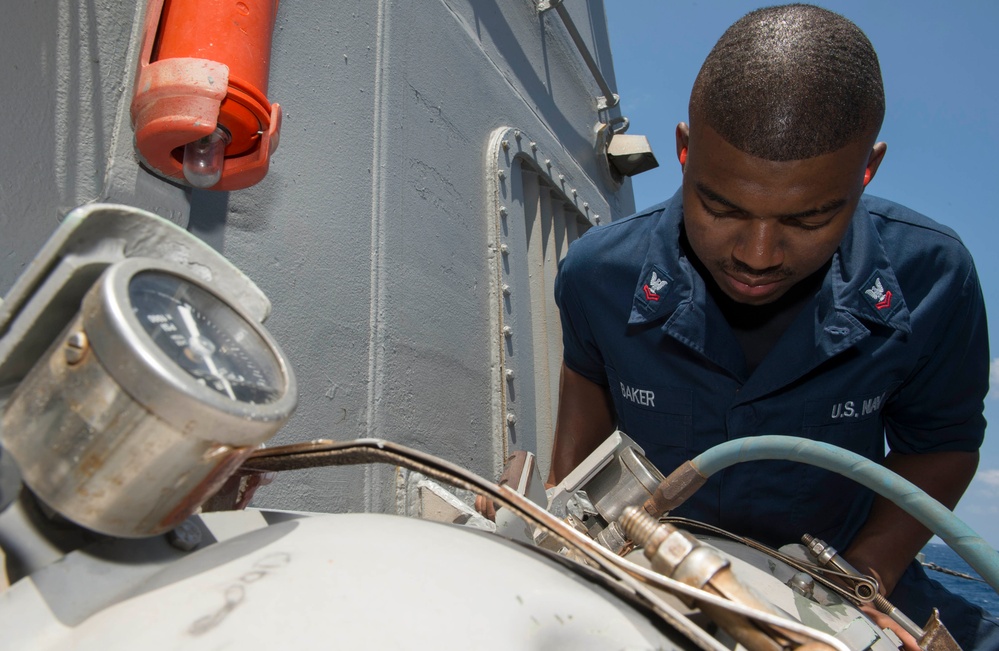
860,281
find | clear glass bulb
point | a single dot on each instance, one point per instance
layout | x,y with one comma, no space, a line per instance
203,158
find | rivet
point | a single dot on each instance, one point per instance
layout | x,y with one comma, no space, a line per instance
507,331
505,144
561,177
534,146
76,348
511,419
502,211
516,134
504,249
586,205
501,174
596,219
509,374
506,289
548,162
574,192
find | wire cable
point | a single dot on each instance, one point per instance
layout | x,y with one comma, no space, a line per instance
361,451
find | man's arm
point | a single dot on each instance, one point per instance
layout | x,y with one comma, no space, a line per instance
891,538
585,419
941,404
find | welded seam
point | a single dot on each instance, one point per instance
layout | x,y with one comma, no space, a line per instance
376,301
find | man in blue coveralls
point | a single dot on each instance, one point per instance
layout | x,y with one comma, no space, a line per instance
768,297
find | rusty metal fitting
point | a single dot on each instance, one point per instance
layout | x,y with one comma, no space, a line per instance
671,551
674,490
936,636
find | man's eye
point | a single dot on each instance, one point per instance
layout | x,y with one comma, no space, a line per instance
721,212
808,225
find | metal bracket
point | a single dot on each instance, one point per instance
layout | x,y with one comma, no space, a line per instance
47,295
603,103
609,99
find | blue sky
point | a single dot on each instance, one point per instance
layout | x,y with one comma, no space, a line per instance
942,128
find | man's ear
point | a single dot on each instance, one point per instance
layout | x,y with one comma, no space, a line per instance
874,160
682,138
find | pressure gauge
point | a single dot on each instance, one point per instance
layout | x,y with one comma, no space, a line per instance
206,338
152,396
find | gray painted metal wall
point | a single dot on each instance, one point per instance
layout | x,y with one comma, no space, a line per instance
375,233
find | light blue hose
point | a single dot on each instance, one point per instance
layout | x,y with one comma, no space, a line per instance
935,516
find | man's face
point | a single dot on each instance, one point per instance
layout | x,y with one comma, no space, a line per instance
761,226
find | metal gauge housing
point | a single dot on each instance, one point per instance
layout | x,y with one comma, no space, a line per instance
154,394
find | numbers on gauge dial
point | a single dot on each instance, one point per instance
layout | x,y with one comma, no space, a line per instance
205,337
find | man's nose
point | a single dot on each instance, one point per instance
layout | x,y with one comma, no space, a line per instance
760,250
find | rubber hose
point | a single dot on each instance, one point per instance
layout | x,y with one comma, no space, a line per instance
932,514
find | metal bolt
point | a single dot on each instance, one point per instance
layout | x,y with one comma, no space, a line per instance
185,537
507,331
574,192
502,211
596,218
548,162
534,146
505,144
501,174
504,249
511,419
509,374
506,289
76,347
803,584
586,205
641,527
516,134
561,177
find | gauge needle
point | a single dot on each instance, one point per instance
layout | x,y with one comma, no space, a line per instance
206,355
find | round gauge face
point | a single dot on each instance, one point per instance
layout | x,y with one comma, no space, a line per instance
206,338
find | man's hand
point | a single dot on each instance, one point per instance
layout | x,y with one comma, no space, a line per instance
883,621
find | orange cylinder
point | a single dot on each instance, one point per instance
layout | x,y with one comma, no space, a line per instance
205,64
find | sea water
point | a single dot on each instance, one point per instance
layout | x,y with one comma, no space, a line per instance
977,592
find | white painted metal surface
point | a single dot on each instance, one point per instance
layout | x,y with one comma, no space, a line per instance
362,581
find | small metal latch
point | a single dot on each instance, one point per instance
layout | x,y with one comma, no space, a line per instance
861,584
864,588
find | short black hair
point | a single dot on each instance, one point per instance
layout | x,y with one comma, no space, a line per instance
789,83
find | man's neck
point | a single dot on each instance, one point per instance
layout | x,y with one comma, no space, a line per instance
758,327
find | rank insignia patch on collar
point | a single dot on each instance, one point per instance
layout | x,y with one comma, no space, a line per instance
878,296
655,285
